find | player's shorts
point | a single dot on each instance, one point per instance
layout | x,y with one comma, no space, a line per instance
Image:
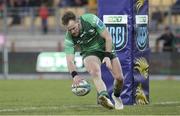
99,54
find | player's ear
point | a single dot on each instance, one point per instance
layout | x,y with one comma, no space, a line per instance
79,23
78,19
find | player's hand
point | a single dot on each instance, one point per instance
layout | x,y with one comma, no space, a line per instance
76,80
107,61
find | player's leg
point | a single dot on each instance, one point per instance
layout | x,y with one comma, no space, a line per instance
93,66
118,76
118,83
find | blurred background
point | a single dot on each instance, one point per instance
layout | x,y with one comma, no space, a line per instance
28,27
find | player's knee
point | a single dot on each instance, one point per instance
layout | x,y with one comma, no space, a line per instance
95,72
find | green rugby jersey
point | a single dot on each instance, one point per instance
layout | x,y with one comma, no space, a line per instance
89,39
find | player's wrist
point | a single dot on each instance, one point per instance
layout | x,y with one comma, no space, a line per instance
108,54
73,74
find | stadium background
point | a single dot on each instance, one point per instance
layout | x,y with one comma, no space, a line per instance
21,26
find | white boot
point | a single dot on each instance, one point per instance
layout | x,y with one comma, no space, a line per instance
105,102
118,102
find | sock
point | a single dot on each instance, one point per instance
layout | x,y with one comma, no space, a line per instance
117,88
103,93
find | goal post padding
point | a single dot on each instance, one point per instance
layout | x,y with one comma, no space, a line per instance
131,48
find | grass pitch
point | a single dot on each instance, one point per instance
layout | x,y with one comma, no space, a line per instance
54,97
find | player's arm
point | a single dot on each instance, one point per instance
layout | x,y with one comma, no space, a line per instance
108,45
72,69
102,30
108,39
70,62
69,50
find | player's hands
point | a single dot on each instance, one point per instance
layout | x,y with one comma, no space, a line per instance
76,80
107,61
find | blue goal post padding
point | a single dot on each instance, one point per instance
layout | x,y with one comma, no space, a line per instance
124,20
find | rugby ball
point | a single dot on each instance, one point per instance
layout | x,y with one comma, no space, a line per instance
82,89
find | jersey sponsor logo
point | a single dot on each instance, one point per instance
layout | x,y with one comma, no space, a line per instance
83,34
100,24
91,31
87,36
78,41
90,39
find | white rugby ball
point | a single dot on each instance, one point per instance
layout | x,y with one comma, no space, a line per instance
82,89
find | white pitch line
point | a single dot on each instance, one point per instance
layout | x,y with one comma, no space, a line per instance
74,106
26,108
167,102
48,107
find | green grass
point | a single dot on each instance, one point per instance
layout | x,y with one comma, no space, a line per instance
54,97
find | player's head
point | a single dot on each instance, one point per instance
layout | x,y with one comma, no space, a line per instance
71,23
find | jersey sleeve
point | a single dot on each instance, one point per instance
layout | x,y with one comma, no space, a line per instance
95,22
68,45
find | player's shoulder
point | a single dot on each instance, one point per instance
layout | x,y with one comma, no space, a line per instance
87,15
68,35
91,18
